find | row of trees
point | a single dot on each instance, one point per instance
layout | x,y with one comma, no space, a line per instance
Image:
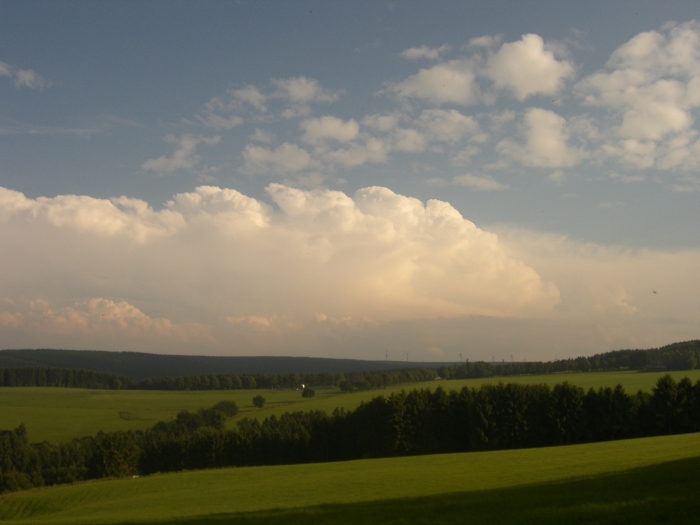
678,356
63,377
417,422
347,382
67,377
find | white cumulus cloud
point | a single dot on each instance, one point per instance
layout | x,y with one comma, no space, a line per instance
329,127
527,68
184,157
449,126
479,183
218,256
546,142
425,52
450,82
650,89
215,269
251,95
282,159
304,90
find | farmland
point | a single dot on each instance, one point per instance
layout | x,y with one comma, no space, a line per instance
636,481
60,414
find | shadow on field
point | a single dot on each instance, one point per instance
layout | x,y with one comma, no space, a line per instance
665,493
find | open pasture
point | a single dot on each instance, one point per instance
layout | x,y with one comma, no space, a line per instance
647,480
60,414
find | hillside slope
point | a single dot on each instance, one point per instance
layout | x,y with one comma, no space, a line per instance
141,365
637,481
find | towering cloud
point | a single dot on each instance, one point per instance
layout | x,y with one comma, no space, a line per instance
215,256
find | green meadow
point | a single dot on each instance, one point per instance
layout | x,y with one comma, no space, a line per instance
60,414
651,480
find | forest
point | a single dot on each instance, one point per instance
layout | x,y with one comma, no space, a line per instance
421,421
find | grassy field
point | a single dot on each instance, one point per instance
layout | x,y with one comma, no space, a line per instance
60,414
652,480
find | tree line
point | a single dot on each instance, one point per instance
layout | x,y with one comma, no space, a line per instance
347,382
62,377
421,421
678,356
66,377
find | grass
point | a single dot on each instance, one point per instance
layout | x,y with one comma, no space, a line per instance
60,414
651,480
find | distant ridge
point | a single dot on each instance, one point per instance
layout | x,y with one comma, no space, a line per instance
139,365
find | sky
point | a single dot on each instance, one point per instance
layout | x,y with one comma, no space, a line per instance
430,181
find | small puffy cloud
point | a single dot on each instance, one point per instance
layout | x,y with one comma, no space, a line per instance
329,127
251,95
212,120
464,157
408,140
687,184
425,52
450,82
446,126
557,176
632,152
435,351
302,90
527,68
372,150
23,77
382,123
396,137
435,181
479,183
184,157
486,41
298,93
433,126
681,151
262,136
254,322
296,111
220,111
627,178
546,137
282,159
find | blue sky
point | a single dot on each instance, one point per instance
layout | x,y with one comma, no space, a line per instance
345,179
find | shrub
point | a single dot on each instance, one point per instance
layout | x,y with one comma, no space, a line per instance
308,392
346,386
259,401
228,408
